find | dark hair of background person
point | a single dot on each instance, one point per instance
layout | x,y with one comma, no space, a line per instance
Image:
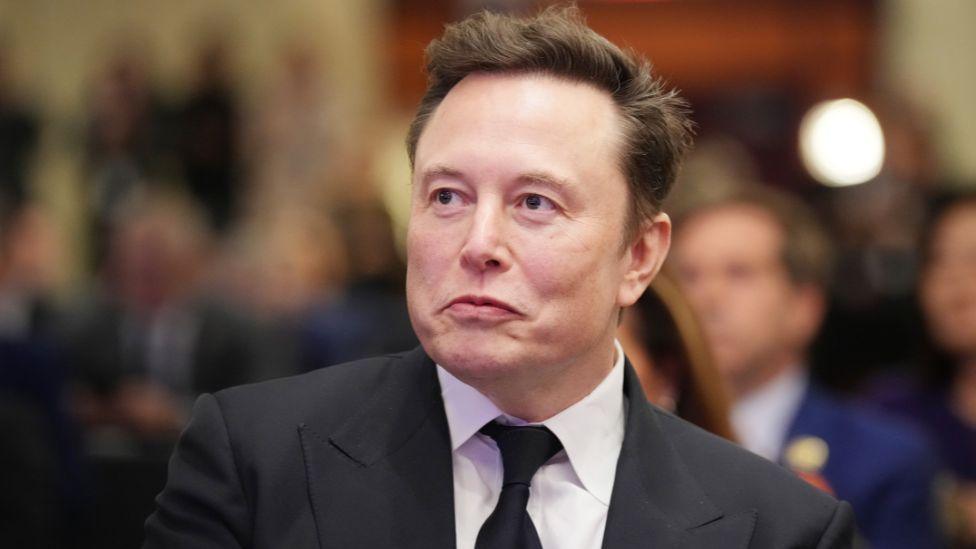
667,329
657,129
366,230
938,366
807,253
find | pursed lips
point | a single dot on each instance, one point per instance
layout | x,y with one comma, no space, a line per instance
481,305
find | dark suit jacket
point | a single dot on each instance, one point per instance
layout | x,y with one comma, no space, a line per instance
359,455
884,469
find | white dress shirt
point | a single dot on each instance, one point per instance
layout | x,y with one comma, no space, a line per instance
762,418
570,494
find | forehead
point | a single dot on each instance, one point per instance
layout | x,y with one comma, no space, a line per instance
521,119
730,232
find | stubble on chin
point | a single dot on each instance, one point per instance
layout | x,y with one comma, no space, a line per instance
470,365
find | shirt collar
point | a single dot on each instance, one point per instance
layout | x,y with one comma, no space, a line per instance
762,417
591,430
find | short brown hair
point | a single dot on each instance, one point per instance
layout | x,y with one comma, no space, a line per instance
557,42
807,253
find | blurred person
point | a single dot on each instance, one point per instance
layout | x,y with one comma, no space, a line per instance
126,137
284,264
754,264
19,132
152,338
29,514
666,345
345,327
322,284
532,225
209,124
942,399
32,257
292,138
44,493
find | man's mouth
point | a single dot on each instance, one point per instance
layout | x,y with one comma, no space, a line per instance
475,304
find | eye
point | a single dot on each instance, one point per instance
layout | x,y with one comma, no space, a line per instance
739,272
538,202
446,196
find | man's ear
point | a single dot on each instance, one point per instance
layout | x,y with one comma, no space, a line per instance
643,258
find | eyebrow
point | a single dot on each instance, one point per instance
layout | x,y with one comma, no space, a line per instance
541,178
545,179
438,172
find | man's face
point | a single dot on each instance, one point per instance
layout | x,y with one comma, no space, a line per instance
728,260
515,261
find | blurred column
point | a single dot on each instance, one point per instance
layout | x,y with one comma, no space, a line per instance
927,51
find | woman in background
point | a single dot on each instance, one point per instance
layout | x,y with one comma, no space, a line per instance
942,399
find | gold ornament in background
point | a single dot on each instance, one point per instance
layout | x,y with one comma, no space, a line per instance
808,454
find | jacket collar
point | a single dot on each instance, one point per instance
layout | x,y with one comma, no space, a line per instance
404,401
383,478
656,500
396,453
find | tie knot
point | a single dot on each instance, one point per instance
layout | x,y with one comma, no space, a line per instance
524,449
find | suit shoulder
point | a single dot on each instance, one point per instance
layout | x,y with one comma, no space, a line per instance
736,478
326,392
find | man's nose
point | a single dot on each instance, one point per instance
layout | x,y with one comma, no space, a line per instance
486,245
705,295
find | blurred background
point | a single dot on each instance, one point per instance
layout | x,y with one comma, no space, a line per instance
198,194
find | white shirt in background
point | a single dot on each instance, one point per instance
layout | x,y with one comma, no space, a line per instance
762,418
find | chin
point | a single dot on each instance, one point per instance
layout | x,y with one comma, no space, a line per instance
467,359
731,367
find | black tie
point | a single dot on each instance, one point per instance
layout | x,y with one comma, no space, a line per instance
524,450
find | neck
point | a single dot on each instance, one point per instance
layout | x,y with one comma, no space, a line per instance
743,386
539,398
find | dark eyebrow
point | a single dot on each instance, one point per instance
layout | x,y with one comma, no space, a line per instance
540,178
437,172
546,180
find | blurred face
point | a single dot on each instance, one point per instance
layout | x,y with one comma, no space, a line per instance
516,260
147,264
948,285
756,321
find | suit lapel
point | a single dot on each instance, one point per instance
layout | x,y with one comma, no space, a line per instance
656,502
384,478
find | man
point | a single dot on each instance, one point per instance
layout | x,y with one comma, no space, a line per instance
754,264
541,154
140,353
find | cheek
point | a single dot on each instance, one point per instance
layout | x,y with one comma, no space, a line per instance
560,267
747,319
739,307
427,251
580,290
425,269
935,301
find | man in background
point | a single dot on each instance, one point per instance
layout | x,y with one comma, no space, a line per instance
152,338
755,264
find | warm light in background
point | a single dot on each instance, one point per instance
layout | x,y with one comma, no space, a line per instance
841,143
